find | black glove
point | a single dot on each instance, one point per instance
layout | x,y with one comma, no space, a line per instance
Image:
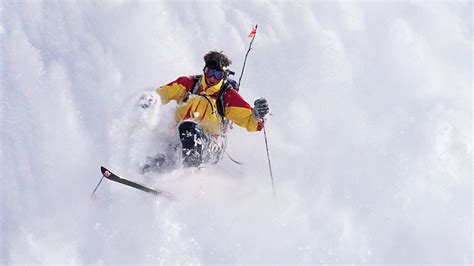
260,108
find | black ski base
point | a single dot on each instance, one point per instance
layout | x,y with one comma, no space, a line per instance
113,177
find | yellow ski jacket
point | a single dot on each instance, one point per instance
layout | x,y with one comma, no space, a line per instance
201,106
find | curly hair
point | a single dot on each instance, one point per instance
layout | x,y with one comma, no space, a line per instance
216,60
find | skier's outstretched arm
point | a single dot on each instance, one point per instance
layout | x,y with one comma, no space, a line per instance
176,90
241,113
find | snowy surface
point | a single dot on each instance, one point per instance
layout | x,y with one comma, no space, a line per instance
370,137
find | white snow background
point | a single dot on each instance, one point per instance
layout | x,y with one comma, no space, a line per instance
370,138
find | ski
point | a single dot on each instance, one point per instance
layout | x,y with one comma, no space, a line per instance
113,177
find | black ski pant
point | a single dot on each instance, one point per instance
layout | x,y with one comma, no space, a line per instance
194,141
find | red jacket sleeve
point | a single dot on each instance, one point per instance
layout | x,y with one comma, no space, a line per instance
240,112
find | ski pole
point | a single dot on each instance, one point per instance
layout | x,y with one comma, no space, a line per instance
252,34
93,197
269,163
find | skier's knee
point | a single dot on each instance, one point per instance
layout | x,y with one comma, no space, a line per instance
192,139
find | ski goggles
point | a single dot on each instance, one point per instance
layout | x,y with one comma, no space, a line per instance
217,74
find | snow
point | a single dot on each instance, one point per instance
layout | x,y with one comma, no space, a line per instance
370,138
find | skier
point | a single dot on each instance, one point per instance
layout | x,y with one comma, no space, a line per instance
206,104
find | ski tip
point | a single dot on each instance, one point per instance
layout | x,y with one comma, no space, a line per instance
105,172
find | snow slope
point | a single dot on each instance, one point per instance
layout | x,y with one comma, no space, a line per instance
370,137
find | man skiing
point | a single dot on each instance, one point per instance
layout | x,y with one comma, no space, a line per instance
206,105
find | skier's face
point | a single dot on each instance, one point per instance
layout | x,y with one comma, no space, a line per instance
212,76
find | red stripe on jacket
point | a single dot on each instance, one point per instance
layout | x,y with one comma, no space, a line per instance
233,98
